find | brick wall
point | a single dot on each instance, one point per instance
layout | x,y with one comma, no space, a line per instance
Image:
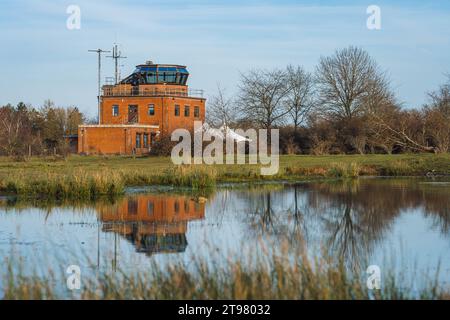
164,111
112,140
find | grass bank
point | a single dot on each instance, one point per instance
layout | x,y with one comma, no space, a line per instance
89,177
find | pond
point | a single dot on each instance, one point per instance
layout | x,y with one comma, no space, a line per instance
400,224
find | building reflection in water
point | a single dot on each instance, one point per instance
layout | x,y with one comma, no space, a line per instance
152,223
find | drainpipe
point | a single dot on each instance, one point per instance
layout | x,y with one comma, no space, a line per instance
164,115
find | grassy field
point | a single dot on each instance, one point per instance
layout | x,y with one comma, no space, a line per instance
87,177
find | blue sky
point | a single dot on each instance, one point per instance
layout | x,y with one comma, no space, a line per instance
40,58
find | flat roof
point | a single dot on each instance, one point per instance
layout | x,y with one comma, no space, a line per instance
148,126
161,65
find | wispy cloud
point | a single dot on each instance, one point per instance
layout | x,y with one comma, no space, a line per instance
215,39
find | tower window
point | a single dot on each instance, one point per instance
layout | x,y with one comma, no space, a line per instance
115,110
177,110
196,112
151,109
186,111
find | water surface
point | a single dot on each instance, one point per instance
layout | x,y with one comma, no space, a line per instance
400,223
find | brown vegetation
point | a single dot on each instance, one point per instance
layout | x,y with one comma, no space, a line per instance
26,131
346,107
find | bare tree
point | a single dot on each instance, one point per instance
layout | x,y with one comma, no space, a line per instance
11,125
406,130
437,115
15,130
427,129
300,98
378,123
346,80
26,131
220,109
73,119
262,97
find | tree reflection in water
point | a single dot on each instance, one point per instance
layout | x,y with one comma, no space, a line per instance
347,219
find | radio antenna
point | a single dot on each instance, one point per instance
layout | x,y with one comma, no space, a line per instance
99,52
116,55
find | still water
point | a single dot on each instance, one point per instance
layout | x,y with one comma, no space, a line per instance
403,224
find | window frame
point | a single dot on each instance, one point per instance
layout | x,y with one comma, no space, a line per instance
177,110
114,108
132,206
187,111
150,208
151,106
145,143
138,140
196,112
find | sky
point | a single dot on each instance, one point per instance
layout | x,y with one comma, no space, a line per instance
40,58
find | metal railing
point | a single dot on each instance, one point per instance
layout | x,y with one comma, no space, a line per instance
150,92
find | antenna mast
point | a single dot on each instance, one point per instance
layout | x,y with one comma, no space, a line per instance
99,52
117,55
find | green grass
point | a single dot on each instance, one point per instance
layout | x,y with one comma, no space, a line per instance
89,177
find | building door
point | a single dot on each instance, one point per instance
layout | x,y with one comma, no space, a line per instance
152,138
133,114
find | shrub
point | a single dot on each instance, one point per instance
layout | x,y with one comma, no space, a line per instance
163,146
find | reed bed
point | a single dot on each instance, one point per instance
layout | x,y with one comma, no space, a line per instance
82,185
195,177
265,276
73,185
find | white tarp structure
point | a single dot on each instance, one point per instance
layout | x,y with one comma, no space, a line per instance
223,132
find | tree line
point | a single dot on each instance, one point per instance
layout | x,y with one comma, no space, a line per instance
26,130
346,105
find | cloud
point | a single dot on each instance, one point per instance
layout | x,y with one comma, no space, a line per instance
215,39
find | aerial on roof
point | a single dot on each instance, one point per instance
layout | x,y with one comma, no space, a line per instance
150,73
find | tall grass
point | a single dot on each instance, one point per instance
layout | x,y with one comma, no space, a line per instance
398,168
344,170
76,185
333,170
89,177
80,184
195,176
264,276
